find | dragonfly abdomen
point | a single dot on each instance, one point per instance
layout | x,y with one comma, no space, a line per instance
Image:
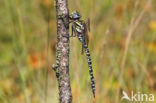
89,63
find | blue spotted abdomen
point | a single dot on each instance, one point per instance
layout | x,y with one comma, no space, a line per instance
89,63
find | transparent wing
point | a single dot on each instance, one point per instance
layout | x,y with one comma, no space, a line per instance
86,33
82,50
88,24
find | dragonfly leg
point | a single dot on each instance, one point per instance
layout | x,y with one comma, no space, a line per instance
73,31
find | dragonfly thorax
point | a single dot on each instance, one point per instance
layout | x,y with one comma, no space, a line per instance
79,26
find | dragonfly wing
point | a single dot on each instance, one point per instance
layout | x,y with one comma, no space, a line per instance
82,50
88,24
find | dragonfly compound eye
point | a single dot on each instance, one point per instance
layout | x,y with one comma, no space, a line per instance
75,15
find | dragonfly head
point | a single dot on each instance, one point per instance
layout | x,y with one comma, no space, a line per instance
75,15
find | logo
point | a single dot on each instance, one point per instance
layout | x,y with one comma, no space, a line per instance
140,97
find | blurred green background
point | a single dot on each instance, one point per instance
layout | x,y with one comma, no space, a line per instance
122,43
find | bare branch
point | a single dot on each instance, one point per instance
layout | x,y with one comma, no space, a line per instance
62,51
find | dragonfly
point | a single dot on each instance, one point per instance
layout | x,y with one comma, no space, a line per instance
80,29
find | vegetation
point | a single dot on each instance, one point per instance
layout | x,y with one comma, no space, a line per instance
122,43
